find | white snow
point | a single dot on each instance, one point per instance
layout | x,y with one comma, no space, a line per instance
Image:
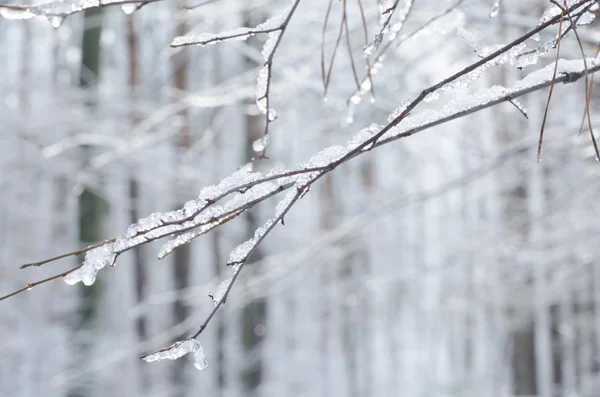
180,349
221,290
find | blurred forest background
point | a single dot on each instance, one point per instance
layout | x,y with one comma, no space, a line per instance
446,264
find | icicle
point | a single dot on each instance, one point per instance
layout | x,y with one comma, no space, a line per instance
495,9
130,8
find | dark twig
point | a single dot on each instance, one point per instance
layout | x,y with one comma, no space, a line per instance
36,283
539,148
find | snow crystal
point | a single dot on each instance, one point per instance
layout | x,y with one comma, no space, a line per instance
221,290
180,349
260,144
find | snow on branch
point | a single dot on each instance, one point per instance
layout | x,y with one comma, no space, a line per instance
365,83
57,11
387,11
274,27
242,190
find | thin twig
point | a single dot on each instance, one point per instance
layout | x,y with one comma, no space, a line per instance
539,148
36,283
74,253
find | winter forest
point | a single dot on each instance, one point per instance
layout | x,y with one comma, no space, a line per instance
299,198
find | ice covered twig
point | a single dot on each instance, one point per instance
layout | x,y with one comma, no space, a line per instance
274,27
178,350
57,11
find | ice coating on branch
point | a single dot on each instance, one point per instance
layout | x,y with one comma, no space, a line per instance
552,11
183,239
180,349
490,95
16,13
514,56
374,44
285,202
363,135
150,222
95,260
519,106
275,22
261,88
239,34
200,361
242,251
55,11
326,156
586,19
398,111
221,290
269,45
402,15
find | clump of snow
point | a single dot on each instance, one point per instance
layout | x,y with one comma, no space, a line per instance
180,349
222,289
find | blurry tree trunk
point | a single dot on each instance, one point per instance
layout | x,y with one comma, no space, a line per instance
91,205
216,240
182,255
254,313
140,271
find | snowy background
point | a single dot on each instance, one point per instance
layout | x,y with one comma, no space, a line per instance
449,263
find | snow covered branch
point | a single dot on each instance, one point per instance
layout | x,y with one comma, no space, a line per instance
57,11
